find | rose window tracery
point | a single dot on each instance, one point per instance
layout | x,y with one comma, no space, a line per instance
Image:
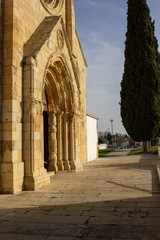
52,6
48,1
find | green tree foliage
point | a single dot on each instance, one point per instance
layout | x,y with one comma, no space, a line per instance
140,87
102,139
109,137
120,139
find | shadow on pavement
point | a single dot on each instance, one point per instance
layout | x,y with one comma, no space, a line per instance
121,219
131,218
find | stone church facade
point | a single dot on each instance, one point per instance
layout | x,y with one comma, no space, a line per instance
42,93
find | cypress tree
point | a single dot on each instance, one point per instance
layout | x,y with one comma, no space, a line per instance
140,86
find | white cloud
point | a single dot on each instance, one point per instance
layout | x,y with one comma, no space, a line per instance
105,64
91,2
103,4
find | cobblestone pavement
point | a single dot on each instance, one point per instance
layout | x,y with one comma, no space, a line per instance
113,198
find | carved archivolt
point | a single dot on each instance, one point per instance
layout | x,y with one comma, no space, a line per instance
58,87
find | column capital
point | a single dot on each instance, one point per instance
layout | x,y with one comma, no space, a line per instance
66,116
30,61
75,114
72,114
60,113
52,109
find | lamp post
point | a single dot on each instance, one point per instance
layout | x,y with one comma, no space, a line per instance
112,131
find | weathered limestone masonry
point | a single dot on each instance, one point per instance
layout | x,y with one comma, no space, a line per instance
42,93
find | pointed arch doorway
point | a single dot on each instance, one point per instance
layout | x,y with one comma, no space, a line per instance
58,119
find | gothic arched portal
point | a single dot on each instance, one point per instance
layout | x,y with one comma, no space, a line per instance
59,113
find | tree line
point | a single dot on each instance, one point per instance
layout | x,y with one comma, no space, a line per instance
106,137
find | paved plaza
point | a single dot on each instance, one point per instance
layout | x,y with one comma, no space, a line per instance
116,197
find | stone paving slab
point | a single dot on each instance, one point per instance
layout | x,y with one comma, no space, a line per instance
6,236
113,198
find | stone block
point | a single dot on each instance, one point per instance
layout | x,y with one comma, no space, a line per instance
12,177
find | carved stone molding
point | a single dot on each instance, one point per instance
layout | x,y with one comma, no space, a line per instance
60,38
57,66
53,6
52,143
52,108
36,106
8,145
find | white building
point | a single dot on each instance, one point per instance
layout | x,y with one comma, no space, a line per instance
92,138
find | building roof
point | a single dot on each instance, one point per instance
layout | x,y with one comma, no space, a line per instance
92,116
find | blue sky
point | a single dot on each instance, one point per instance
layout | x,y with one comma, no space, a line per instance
101,26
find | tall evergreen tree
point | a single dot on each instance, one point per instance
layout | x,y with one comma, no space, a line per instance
140,87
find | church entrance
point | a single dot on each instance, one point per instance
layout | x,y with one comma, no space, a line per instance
58,119
45,131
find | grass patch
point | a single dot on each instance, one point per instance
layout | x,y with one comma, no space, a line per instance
104,152
151,150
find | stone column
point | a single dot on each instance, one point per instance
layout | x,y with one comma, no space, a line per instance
75,162
32,108
72,162
65,161
28,125
52,142
60,162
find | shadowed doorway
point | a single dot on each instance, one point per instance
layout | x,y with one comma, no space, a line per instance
45,131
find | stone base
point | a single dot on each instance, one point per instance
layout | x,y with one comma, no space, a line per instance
67,166
76,166
32,183
53,167
60,165
12,177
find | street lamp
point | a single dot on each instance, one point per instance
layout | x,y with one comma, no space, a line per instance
112,131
